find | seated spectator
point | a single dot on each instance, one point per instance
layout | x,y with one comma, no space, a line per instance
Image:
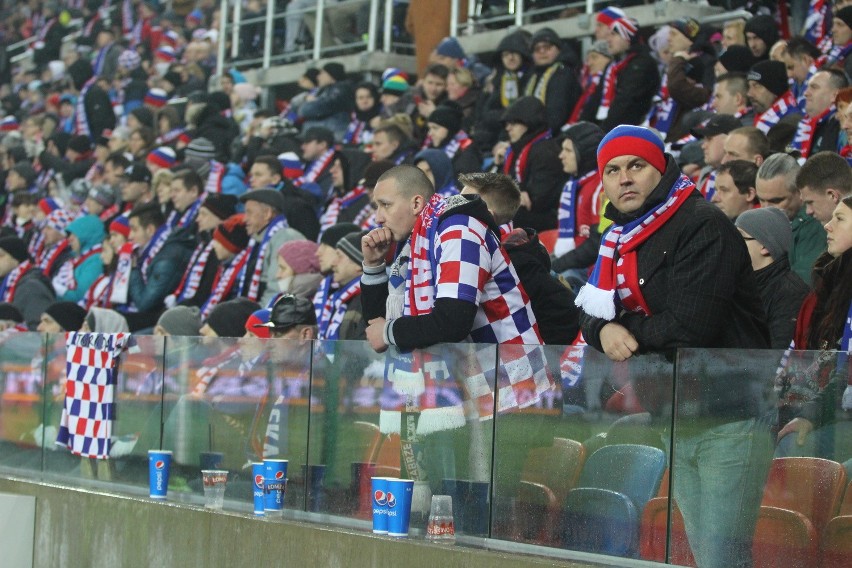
506,86
292,317
345,318
326,254
60,317
228,319
552,79
364,118
800,57
532,160
746,143
597,60
161,187
841,38
299,206
392,143
396,97
11,318
333,102
74,278
761,33
55,250
100,320
445,134
552,302
179,321
768,237
776,187
819,129
713,134
733,33
23,285
735,191
160,158
438,168
427,95
345,204
730,96
770,96
298,269
135,185
823,181
463,90
318,153
24,206
229,243
186,198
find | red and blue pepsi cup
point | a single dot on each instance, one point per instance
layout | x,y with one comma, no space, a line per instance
274,486
379,486
159,465
258,476
400,492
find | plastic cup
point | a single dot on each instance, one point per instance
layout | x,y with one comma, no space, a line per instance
441,527
257,475
159,465
214,487
400,492
379,498
274,487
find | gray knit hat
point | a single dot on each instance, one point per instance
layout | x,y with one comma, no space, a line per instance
770,227
181,321
350,245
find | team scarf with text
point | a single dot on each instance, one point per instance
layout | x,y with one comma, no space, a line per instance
610,79
127,17
47,259
358,132
277,224
616,269
803,141
338,304
538,89
191,280
835,56
338,204
214,178
322,306
316,169
120,284
151,249
517,168
818,25
567,215
510,88
226,277
181,221
10,283
170,137
786,104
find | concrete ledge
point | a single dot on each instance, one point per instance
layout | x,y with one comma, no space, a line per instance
364,62
77,527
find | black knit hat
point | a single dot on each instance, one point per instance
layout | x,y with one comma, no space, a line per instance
222,205
232,233
144,116
449,115
8,312
350,245
374,171
765,27
689,27
545,35
15,247
228,319
80,144
528,111
586,138
68,315
336,70
60,140
26,171
737,58
337,232
845,15
770,74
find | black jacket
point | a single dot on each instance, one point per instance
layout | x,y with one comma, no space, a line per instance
99,112
696,277
543,181
562,93
782,292
635,88
552,302
299,210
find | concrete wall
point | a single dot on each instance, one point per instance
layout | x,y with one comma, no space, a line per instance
80,528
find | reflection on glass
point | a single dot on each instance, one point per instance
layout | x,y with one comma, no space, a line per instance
22,428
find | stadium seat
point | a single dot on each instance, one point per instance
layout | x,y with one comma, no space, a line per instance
837,537
548,239
652,536
784,538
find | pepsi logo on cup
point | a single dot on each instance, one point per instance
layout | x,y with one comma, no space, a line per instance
279,475
160,464
258,481
380,497
391,500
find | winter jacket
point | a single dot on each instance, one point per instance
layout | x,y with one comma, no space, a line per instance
562,93
99,112
552,302
220,130
782,292
808,244
635,88
696,278
33,295
164,271
686,92
299,210
330,109
89,230
233,182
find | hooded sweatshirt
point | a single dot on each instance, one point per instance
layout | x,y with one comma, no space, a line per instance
442,170
88,265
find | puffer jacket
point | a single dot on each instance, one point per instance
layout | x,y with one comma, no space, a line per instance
89,230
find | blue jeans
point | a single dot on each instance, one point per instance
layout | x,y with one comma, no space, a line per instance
718,477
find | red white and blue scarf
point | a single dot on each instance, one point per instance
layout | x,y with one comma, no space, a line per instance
818,25
195,270
338,305
517,168
664,108
610,80
316,169
804,139
322,306
214,179
88,413
338,204
226,277
177,220
567,216
708,186
151,249
82,121
277,224
358,132
616,268
786,104
10,283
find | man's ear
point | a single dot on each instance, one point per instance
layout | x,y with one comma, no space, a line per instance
765,252
418,203
834,195
751,194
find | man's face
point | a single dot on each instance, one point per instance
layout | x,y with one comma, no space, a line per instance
437,133
133,191
758,255
337,174
820,204
393,210
737,148
344,269
47,324
714,149
545,53
434,86
515,130
326,256
262,176
729,199
324,79
761,98
819,95
511,60
724,102
841,34
206,220
775,193
257,216
616,44
757,46
628,181
51,236
140,235
313,149
678,41
383,147
7,263
798,67
182,197
15,180
730,36
568,157
364,100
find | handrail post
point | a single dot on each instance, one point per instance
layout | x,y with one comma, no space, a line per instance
454,18
388,25
223,18
318,29
235,30
267,36
373,26
519,13
471,17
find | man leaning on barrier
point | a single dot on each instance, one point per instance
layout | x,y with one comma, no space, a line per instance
673,272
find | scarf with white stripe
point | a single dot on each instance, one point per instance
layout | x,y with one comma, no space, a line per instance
339,304
278,223
567,216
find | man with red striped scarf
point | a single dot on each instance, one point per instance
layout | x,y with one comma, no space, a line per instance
673,272
21,283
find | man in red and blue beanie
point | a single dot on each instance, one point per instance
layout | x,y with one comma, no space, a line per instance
673,272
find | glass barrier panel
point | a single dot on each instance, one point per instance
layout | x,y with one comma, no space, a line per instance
424,415
21,399
761,460
579,447
71,404
229,403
